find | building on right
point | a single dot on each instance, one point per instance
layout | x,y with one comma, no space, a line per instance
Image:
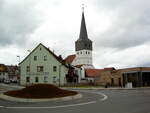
137,76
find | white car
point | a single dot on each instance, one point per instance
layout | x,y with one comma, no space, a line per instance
7,81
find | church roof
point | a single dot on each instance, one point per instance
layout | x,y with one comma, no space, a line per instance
83,42
83,31
69,59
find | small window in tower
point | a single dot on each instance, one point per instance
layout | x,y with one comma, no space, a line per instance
89,46
40,48
88,52
80,52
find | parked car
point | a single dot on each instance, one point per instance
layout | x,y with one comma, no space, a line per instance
13,81
7,81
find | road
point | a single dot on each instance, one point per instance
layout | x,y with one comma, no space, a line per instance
93,101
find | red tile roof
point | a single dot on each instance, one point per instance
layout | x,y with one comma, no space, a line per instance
96,72
69,59
93,72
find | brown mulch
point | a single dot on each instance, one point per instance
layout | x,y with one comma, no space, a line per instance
40,91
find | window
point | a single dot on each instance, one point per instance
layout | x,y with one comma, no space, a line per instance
40,48
54,79
80,52
45,79
28,68
36,79
45,58
35,58
86,52
27,79
40,68
77,53
54,68
85,45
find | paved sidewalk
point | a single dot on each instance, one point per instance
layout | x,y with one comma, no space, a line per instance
109,88
11,86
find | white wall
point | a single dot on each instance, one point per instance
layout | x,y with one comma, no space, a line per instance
40,52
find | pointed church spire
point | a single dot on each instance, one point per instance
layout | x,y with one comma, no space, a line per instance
83,32
83,43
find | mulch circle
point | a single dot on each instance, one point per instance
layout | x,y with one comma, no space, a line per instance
39,91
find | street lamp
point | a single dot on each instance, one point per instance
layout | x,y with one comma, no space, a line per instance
18,59
18,66
29,63
59,75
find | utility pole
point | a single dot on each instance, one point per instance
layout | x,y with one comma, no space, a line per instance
29,64
18,73
59,75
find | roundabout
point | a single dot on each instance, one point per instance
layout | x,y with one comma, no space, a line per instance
96,101
87,99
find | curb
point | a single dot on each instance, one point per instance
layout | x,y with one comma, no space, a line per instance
9,98
108,88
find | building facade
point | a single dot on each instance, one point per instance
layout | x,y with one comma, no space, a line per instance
3,73
43,66
137,76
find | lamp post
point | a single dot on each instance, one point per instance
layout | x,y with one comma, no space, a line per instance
18,59
29,64
59,75
18,73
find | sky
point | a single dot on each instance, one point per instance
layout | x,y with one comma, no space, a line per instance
119,29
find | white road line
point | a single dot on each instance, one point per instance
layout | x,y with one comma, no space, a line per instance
105,96
63,106
99,93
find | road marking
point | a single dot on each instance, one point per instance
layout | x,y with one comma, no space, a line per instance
63,106
99,93
105,96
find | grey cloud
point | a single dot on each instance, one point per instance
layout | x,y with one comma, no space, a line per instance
132,27
18,19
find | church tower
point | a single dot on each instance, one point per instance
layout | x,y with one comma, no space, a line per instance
83,46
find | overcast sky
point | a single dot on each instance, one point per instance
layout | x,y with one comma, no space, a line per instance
119,29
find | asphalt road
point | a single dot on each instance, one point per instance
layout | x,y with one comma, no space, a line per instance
93,101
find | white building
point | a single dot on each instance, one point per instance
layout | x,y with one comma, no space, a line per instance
42,66
83,47
83,58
